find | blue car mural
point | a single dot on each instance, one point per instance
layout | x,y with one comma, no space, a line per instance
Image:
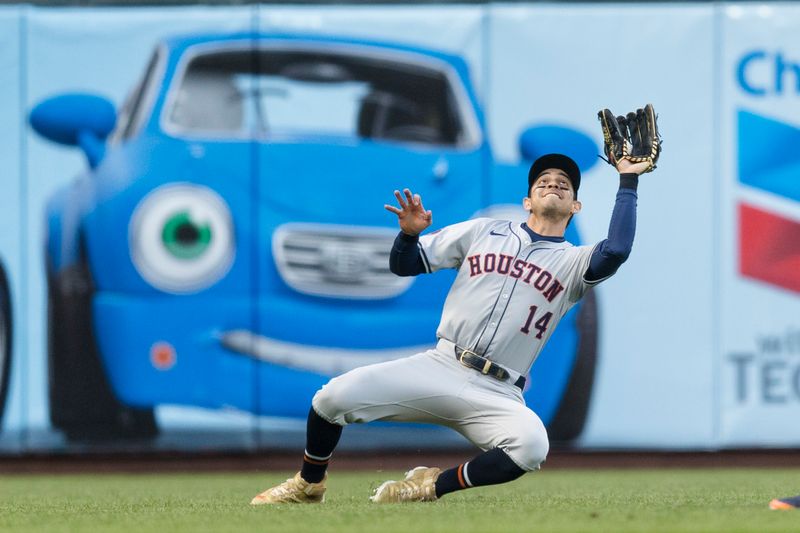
227,245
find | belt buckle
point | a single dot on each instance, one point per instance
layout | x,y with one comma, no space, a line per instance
464,351
487,365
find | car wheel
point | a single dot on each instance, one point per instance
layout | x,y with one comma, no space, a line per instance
6,328
570,417
82,403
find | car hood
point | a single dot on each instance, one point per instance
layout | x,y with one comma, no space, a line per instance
350,183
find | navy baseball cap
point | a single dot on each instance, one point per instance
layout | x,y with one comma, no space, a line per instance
559,161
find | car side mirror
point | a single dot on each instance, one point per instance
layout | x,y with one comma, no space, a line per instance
543,139
76,119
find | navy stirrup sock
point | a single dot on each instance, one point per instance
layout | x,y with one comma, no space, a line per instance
489,468
321,439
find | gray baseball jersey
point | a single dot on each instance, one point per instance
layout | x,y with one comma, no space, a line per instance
510,292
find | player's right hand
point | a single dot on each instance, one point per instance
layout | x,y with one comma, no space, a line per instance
412,216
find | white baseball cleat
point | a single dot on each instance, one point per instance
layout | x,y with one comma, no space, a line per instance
419,485
293,490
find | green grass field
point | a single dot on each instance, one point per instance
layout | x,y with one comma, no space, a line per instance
561,500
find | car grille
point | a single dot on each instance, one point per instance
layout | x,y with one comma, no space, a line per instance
337,261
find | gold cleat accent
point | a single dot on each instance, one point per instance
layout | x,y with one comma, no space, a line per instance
419,485
293,490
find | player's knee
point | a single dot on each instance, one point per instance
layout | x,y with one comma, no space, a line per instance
333,400
531,450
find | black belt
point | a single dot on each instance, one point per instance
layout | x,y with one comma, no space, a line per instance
485,366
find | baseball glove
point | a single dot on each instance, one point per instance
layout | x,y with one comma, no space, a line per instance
633,137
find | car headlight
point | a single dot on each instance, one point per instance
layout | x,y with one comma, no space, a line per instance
181,238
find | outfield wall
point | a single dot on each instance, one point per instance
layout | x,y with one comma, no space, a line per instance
698,337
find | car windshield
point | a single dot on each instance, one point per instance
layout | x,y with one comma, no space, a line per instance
273,93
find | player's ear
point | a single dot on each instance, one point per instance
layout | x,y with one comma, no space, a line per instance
526,203
576,206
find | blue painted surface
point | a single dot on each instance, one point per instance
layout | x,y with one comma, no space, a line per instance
545,139
63,118
769,157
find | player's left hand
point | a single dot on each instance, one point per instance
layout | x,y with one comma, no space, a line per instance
626,167
631,143
412,216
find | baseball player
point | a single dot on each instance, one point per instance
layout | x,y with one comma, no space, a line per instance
514,283
785,504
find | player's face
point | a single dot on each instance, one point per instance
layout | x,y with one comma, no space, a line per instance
552,195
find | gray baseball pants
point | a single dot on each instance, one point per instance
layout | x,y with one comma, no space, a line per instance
433,387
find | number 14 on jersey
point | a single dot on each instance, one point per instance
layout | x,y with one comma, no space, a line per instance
540,324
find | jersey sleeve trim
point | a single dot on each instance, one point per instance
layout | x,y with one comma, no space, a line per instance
424,257
592,282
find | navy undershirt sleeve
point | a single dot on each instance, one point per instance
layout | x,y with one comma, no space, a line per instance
610,253
405,258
